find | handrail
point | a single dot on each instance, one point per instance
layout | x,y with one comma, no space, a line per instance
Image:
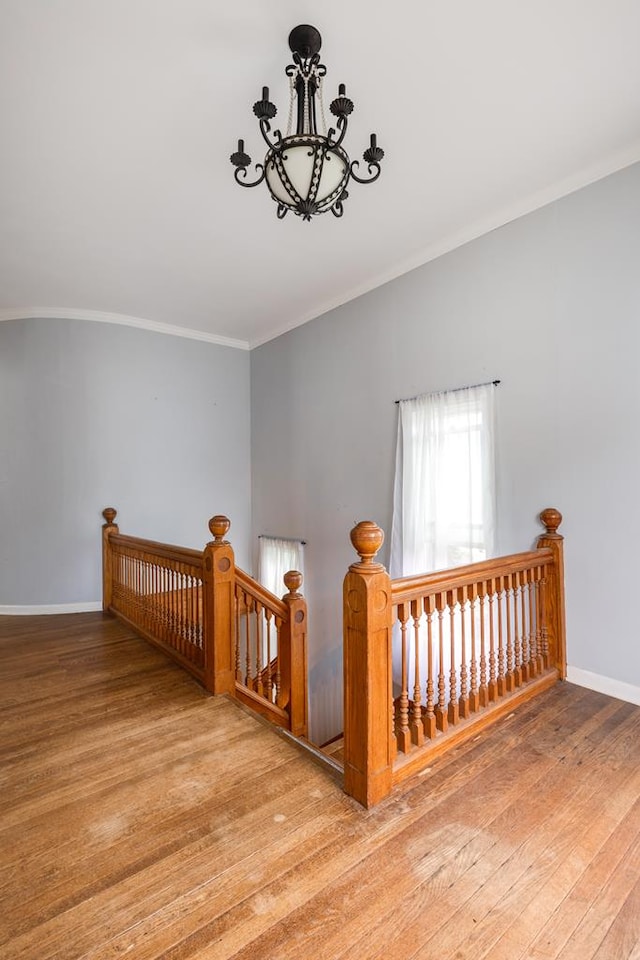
167,550
470,644
261,594
210,616
404,589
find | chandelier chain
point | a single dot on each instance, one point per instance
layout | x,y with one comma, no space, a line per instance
292,95
305,120
321,99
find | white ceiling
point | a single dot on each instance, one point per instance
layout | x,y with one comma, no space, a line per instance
118,117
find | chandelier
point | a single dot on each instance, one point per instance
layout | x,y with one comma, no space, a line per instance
307,172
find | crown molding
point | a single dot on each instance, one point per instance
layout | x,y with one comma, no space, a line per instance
97,316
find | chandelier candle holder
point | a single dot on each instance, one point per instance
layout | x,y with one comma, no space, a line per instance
306,171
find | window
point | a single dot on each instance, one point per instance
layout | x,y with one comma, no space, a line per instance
277,557
444,493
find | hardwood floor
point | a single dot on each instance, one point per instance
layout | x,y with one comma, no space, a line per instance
140,817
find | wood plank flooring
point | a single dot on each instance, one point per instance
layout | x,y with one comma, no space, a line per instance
140,817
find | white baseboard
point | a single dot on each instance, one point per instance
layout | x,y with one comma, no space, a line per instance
43,609
613,688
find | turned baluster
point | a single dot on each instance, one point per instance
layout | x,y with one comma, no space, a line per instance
125,582
248,603
171,596
464,676
135,562
194,614
236,610
258,685
495,667
181,599
278,675
544,630
177,578
502,653
158,599
509,649
170,602
180,609
184,611
129,582
417,728
517,640
193,610
533,650
538,614
178,641
403,733
453,711
268,685
152,596
199,614
166,601
161,603
429,717
474,694
441,708
484,688
524,641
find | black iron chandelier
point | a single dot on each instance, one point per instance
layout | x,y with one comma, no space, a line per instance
306,171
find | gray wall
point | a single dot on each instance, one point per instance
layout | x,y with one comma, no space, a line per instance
95,415
549,304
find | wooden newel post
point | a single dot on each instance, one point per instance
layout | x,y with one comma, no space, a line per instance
108,528
292,655
218,604
554,590
368,700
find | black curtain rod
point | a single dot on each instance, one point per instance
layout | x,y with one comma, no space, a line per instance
455,390
266,536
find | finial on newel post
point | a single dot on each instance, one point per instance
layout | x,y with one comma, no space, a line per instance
219,527
109,514
367,538
293,582
551,519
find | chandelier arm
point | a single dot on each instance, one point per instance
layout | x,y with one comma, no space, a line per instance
373,167
265,130
240,174
342,127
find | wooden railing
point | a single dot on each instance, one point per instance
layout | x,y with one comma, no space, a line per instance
430,660
222,626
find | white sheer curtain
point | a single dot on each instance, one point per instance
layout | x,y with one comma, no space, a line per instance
444,492
276,557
